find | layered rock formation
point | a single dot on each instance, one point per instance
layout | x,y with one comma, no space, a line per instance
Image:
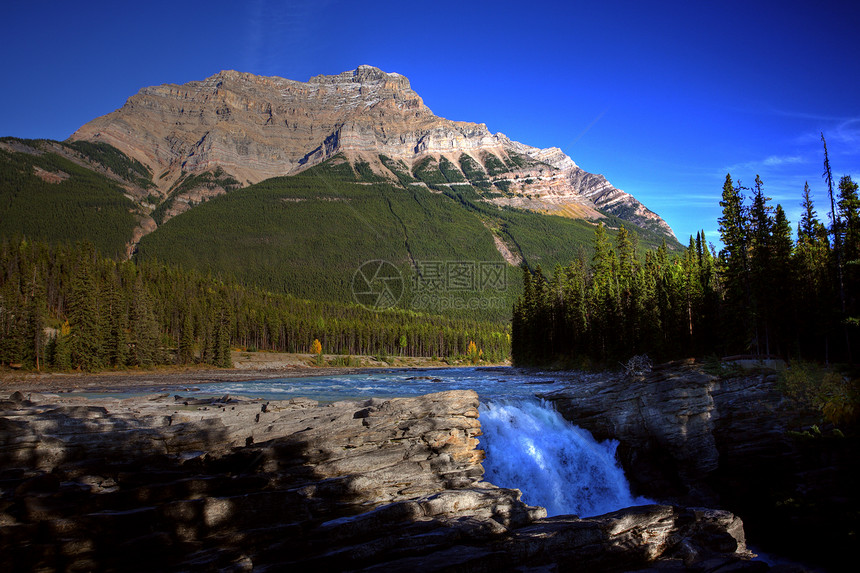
172,483
733,442
257,127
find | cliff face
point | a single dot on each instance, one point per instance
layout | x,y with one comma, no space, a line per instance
260,127
732,442
256,127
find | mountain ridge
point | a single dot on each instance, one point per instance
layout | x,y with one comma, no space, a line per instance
257,127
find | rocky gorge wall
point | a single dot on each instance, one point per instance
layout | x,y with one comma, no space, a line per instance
735,442
174,483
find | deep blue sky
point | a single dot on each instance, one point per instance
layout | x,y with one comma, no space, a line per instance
663,98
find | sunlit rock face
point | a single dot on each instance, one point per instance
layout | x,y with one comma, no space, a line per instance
255,128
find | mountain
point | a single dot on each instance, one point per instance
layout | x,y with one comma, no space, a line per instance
293,186
234,129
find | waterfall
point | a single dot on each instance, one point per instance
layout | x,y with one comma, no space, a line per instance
555,464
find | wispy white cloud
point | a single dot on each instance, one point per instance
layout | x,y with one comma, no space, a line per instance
846,133
776,160
809,116
841,132
685,200
760,166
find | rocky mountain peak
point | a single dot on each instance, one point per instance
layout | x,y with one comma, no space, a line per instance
363,74
254,128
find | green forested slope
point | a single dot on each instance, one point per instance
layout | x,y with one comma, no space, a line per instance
76,204
308,234
305,235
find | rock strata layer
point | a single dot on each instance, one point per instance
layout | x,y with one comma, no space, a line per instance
177,483
735,442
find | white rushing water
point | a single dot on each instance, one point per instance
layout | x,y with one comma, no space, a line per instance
554,463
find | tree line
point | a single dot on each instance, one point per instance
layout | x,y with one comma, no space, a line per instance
68,307
764,293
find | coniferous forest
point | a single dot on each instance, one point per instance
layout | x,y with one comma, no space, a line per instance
69,307
770,291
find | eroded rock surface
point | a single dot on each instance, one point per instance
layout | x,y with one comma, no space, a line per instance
694,438
178,483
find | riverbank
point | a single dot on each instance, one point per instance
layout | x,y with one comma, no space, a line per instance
246,366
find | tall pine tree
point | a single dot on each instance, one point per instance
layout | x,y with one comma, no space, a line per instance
734,266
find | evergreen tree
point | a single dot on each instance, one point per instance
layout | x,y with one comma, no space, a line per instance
13,336
61,355
734,267
144,329
761,267
781,295
762,290
835,225
223,358
36,311
811,264
185,350
604,301
808,218
849,215
117,325
86,340
849,212
691,289
575,311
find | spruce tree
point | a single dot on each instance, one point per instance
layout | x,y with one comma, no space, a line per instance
576,306
223,358
734,267
604,294
185,351
781,295
117,317
13,335
835,225
849,214
761,266
144,328
86,340
808,217
61,355
36,312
